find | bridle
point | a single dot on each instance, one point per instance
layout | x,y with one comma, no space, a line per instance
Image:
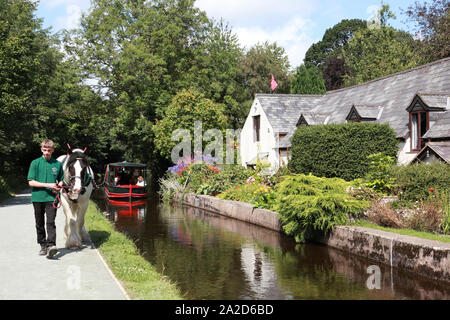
67,187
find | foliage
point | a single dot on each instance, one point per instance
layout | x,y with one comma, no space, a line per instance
169,186
383,214
377,52
419,180
140,55
202,177
307,80
27,61
259,63
187,107
427,217
445,225
378,177
243,193
334,39
334,72
307,204
433,20
258,188
340,150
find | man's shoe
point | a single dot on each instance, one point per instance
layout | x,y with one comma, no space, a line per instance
51,252
43,251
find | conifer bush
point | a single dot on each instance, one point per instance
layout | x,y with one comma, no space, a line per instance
307,204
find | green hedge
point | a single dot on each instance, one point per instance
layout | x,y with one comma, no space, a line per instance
340,150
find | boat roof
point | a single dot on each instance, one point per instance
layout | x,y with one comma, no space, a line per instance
127,164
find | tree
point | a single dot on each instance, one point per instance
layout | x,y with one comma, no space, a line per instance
27,63
216,69
433,22
307,81
142,53
373,53
259,63
334,39
334,72
187,107
376,52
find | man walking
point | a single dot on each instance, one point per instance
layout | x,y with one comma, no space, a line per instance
43,175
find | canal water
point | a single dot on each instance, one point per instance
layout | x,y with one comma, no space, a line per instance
210,256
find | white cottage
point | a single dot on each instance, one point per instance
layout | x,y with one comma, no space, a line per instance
415,103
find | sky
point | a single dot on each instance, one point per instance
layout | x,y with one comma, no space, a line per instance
293,24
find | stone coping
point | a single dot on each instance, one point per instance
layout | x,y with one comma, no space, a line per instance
429,258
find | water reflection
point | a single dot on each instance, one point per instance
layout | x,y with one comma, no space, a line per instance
210,256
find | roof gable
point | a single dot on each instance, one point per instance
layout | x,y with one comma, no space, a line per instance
418,103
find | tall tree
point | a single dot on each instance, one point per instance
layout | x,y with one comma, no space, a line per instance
433,22
334,72
27,63
376,52
333,40
307,81
142,53
187,107
257,66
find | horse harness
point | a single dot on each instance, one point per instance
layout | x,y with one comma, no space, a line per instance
68,186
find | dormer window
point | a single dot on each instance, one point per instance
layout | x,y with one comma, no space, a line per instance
419,117
364,113
302,121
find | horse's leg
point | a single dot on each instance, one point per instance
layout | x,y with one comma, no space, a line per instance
80,222
73,238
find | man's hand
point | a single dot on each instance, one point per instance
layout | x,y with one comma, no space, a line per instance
55,187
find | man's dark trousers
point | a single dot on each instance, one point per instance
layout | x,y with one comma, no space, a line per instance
40,209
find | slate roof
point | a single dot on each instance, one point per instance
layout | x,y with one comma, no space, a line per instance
435,100
314,118
392,93
283,110
441,128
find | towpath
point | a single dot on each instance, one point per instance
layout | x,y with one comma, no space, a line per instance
25,275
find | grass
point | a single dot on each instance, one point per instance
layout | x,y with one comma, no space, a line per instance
407,232
136,274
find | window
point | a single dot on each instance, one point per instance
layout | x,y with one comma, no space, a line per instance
418,126
256,127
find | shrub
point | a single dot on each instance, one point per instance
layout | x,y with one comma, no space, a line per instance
340,150
307,204
418,181
445,225
384,215
428,217
378,177
242,193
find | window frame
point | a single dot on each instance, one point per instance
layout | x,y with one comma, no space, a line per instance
420,140
257,128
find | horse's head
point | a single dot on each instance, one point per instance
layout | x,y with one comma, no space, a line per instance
76,169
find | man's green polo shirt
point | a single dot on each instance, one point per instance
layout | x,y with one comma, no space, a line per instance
44,171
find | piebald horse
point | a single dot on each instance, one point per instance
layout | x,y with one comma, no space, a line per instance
75,196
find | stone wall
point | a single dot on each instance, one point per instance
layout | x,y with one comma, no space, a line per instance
426,257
